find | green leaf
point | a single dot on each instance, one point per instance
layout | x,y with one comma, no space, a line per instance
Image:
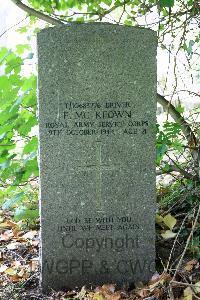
189,49
128,22
31,168
172,129
9,203
6,164
161,149
5,83
166,3
29,83
23,213
14,64
2,136
22,47
166,167
7,116
17,103
23,29
31,146
30,99
26,126
180,109
177,145
4,52
108,2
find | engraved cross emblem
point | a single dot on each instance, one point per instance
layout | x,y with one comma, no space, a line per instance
98,166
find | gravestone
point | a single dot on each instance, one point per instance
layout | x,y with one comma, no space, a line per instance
97,116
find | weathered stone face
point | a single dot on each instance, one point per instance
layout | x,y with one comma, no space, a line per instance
97,115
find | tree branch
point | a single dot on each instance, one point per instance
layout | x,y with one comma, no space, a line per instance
175,168
187,131
193,142
36,13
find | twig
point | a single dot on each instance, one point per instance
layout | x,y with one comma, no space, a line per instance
12,27
182,283
37,14
187,244
124,9
188,285
176,168
176,239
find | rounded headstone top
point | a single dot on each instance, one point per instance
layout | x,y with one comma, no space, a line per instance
96,27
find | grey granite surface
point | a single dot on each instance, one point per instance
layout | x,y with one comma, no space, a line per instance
97,116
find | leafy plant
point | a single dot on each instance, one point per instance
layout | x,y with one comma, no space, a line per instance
18,123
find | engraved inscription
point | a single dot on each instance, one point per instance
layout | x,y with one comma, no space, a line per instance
132,266
96,119
107,223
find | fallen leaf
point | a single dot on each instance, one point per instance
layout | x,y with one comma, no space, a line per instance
106,291
21,273
190,265
143,293
7,224
6,236
107,288
35,243
159,220
82,293
187,294
11,223
169,221
197,287
10,271
1,220
34,265
29,235
3,268
13,245
70,293
161,280
98,296
17,234
4,225
15,278
16,264
158,292
168,234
